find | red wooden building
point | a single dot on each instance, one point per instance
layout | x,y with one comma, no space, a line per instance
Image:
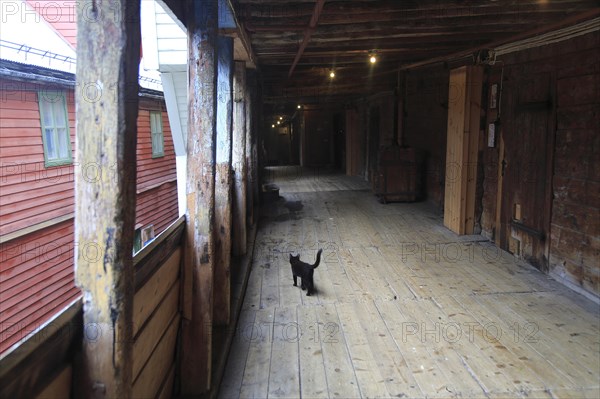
37,169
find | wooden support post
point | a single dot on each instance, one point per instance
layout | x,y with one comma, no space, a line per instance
249,137
256,128
200,189
239,159
222,288
107,108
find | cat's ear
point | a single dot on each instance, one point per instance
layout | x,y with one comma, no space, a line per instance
291,257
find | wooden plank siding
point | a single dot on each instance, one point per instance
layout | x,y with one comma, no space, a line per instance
36,272
574,231
156,177
31,193
36,280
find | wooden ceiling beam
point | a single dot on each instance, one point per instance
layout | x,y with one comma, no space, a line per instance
314,20
242,34
572,20
365,45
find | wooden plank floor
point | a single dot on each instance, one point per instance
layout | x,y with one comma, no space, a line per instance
403,308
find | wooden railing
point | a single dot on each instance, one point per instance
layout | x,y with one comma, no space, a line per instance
45,364
157,313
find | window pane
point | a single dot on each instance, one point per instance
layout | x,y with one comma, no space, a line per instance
153,143
160,143
50,144
46,113
156,131
155,122
63,143
152,124
59,113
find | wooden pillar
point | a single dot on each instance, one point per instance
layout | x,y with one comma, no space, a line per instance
239,159
256,129
250,86
107,107
222,288
200,191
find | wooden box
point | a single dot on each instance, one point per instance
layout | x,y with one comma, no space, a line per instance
398,177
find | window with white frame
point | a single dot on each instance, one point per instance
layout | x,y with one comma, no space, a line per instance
55,128
157,134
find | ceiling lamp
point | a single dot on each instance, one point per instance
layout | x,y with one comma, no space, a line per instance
299,106
372,57
332,74
273,126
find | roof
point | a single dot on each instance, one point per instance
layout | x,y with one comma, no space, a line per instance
30,37
20,72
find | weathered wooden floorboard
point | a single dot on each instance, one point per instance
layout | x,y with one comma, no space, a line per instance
284,382
386,315
339,370
312,367
255,383
238,355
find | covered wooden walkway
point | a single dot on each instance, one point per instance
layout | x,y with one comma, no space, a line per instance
404,307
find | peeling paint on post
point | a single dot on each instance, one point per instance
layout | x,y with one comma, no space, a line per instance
223,193
107,57
200,188
239,159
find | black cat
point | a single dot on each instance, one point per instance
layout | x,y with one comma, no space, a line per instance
305,272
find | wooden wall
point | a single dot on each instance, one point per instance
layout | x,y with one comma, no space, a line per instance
31,193
318,137
379,123
37,241
355,143
156,177
426,125
36,280
573,239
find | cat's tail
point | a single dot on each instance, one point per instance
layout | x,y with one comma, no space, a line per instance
316,264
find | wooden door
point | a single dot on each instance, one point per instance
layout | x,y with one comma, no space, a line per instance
526,168
464,108
373,140
318,138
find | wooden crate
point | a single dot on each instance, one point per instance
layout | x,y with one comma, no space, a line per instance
399,175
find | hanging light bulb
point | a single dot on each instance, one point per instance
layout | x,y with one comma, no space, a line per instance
332,74
372,56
